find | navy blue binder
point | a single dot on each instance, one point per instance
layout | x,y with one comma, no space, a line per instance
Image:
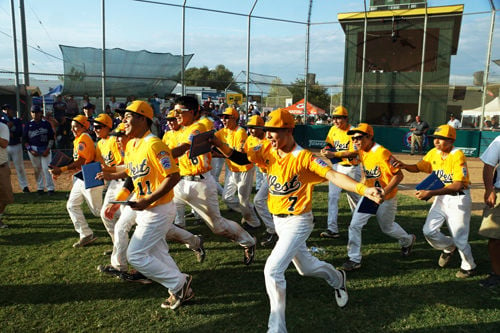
431,182
368,206
89,172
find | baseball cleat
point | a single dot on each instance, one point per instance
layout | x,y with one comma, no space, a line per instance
465,273
341,296
135,276
110,270
350,265
249,253
445,258
184,295
85,241
268,239
329,234
406,250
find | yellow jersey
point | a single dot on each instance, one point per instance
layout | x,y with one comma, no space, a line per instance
171,139
378,169
207,122
252,142
83,146
108,152
201,163
234,139
449,169
148,162
291,178
340,141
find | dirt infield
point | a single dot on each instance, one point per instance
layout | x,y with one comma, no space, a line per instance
407,186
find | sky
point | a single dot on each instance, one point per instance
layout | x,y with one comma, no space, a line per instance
277,47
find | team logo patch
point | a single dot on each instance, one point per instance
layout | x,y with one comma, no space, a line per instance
257,148
165,162
81,146
161,154
320,162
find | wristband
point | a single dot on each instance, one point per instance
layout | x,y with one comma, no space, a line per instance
122,195
361,188
64,169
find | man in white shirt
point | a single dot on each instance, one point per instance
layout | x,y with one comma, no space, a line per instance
454,122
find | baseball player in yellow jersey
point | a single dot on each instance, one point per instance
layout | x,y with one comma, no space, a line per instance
452,203
150,165
240,178
257,137
339,145
83,153
292,172
197,186
379,172
108,154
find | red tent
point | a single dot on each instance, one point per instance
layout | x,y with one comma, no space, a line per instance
298,108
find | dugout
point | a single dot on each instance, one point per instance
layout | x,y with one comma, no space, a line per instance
387,83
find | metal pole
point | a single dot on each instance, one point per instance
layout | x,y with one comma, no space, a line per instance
247,83
16,75
422,65
183,86
103,73
487,67
363,64
306,85
25,55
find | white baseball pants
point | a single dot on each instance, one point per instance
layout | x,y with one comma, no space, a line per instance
42,175
293,232
334,195
260,202
456,212
114,186
148,250
259,178
217,164
241,183
385,217
78,194
202,197
15,153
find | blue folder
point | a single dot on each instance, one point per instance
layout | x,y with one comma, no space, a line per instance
368,206
201,144
89,172
431,182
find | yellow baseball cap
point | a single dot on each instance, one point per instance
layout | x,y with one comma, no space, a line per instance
231,112
142,108
255,121
82,120
171,115
339,111
362,128
104,119
119,130
280,118
445,132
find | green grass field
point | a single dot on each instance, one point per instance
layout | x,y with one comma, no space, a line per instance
48,286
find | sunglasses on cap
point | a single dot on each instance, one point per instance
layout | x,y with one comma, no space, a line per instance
358,137
179,111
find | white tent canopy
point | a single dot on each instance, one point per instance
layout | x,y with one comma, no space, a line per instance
490,109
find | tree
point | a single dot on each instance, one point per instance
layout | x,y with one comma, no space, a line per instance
218,78
316,95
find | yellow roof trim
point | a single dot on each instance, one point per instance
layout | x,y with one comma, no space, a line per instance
401,12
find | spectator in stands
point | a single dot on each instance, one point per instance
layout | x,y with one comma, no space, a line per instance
64,139
396,119
59,108
206,104
418,129
85,100
494,122
454,122
71,107
15,148
113,104
88,111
